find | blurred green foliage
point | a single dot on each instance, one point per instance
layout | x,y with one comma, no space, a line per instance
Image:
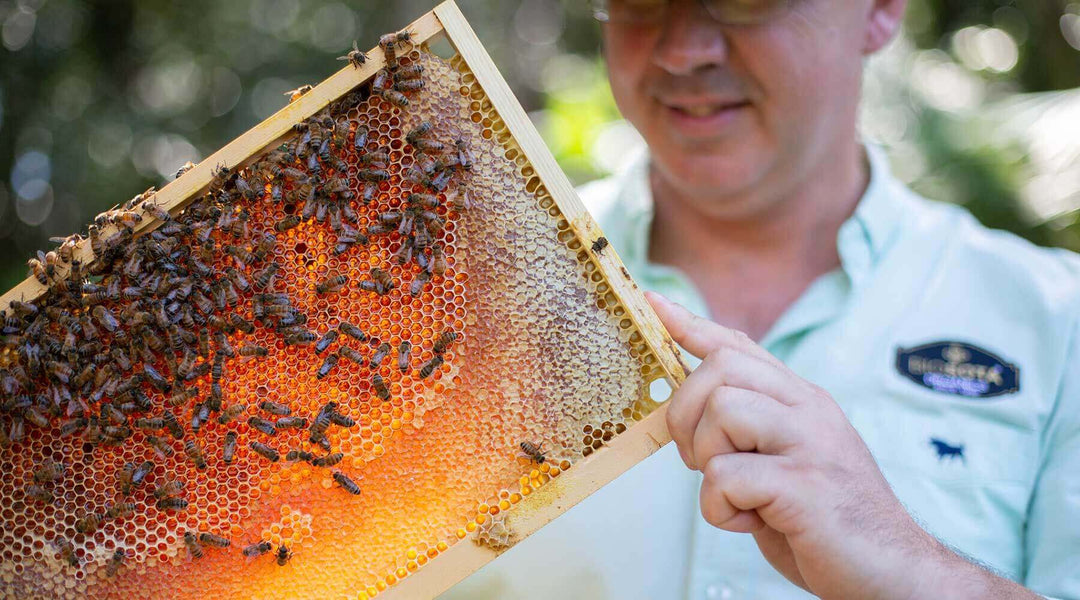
99,100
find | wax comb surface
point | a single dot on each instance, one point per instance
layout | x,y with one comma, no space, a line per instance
354,350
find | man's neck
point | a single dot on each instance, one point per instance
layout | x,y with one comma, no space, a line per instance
751,269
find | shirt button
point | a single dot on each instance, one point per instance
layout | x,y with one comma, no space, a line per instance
719,591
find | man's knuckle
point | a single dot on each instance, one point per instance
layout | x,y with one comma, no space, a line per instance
713,511
719,400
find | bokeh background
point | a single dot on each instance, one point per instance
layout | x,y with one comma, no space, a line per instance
976,103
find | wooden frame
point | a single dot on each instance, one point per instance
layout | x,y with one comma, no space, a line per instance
588,474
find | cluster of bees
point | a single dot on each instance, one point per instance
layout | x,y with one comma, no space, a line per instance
141,338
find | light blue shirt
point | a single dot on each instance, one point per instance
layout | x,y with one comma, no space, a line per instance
952,349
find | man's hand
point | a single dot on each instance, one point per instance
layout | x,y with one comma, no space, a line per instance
781,461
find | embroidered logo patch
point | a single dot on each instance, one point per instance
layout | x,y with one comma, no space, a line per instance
958,368
946,450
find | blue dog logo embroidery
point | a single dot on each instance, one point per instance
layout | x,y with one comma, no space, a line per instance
945,450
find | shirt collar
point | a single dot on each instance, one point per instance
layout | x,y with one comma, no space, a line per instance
862,240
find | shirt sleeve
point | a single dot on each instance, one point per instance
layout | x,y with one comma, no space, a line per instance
1052,537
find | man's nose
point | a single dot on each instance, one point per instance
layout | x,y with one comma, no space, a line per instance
691,40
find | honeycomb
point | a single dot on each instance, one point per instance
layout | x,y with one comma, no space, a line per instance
310,382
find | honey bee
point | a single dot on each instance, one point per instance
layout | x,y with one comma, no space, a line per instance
140,473
264,277
429,146
231,413
422,238
152,423
328,365
125,478
209,539
37,269
229,447
332,284
429,367
195,454
216,396
465,158
533,452
418,132
381,80
242,324
264,246
88,524
438,260
252,350
265,451
106,318
443,341
220,178
409,72
395,97
157,212
172,425
347,484
291,423
49,471
262,425
120,510
172,504
322,419
403,255
283,555
380,354
275,408
287,223
184,169
156,378
380,387
294,95
399,38
170,488
324,342
409,85
298,455
218,368
379,159
404,349
192,545
117,558
428,201
355,57
352,355
418,283
160,446
374,175
36,493
257,549
327,461
67,552
300,338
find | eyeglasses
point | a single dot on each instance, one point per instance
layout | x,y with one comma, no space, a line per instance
728,12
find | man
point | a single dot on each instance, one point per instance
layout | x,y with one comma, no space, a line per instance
914,377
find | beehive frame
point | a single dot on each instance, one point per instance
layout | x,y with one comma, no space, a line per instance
588,474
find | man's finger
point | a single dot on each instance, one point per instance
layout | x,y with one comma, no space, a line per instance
747,481
730,368
738,420
698,335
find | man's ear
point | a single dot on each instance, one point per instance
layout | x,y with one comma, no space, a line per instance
882,23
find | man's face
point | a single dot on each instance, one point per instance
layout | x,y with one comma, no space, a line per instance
741,113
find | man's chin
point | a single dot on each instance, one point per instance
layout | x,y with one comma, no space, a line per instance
714,174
